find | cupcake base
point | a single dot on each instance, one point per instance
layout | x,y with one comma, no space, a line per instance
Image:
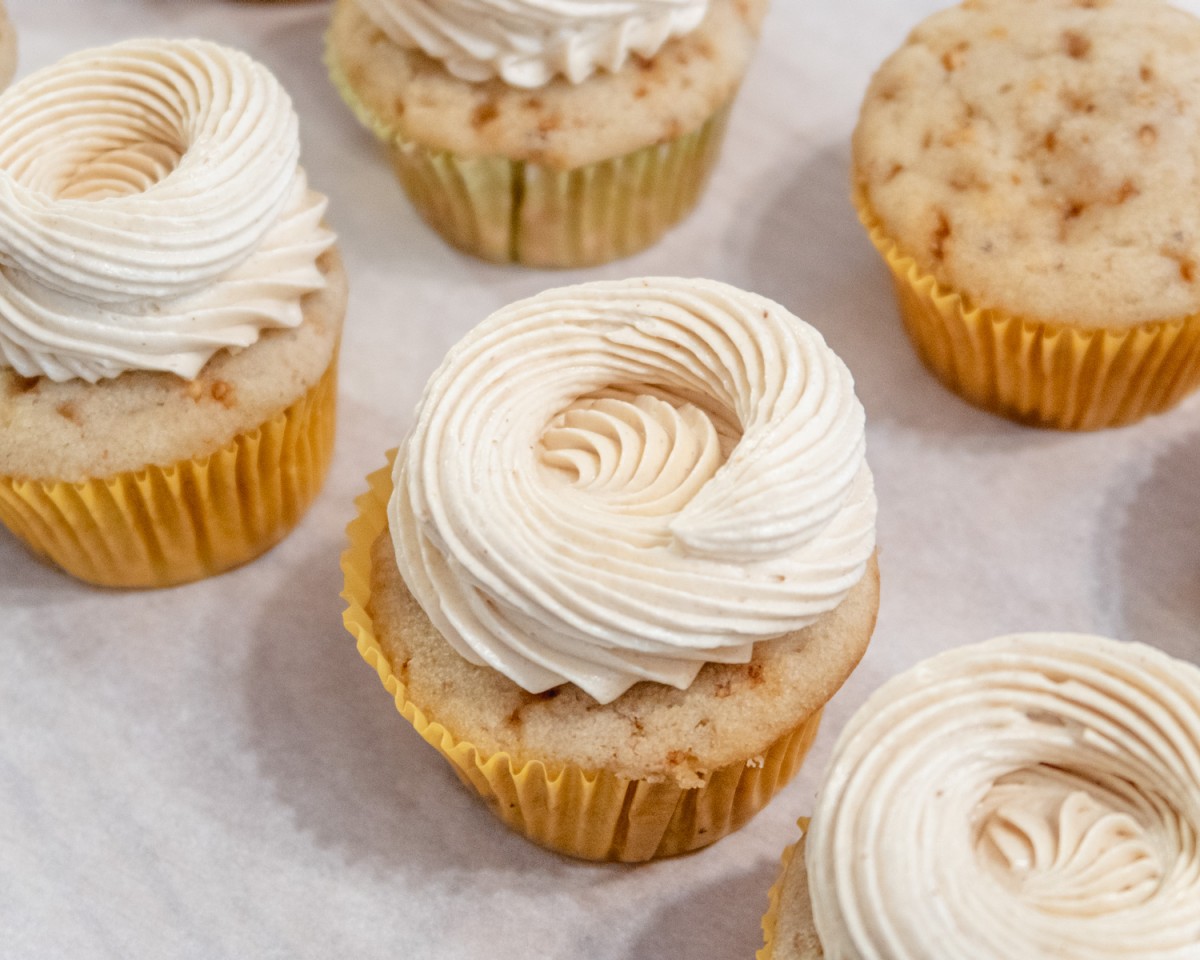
149,480
522,212
602,816
576,808
8,48
161,526
1045,374
788,930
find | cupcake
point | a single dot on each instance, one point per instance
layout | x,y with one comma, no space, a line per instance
8,48
547,133
1031,796
622,560
170,312
1028,169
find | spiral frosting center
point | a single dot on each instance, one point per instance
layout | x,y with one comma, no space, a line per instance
639,455
622,481
1032,796
120,171
152,211
1065,846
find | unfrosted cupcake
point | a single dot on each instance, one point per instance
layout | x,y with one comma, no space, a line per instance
1033,796
622,561
1029,170
170,311
546,132
8,48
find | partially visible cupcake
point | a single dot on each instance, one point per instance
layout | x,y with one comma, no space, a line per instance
622,561
1032,796
170,311
1029,170
545,132
8,48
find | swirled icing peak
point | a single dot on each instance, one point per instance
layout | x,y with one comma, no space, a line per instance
1032,796
528,42
620,481
152,211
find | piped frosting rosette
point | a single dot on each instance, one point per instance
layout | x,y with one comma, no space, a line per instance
621,481
528,42
152,211
1032,796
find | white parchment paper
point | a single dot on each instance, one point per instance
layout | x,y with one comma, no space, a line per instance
212,772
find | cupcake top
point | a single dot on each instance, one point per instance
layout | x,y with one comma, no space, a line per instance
1031,796
621,481
152,212
1042,157
528,42
403,94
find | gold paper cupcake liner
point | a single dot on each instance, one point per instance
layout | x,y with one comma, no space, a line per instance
523,212
1036,372
8,49
770,920
593,815
505,210
161,526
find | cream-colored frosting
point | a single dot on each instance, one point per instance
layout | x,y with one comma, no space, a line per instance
528,42
620,481
152,211
1033,796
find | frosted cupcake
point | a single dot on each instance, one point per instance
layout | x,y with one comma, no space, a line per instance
8,48
546,132
622,561
1028,169
1032,796
170,310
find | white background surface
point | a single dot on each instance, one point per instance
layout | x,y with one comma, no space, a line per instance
212,772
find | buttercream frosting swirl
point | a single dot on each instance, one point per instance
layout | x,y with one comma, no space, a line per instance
528,42
152,211
1032,796
621,481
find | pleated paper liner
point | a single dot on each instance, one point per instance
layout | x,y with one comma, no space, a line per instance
770,920
523,212
8,49
1047,374
593,815
160,526
774,946
518,211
